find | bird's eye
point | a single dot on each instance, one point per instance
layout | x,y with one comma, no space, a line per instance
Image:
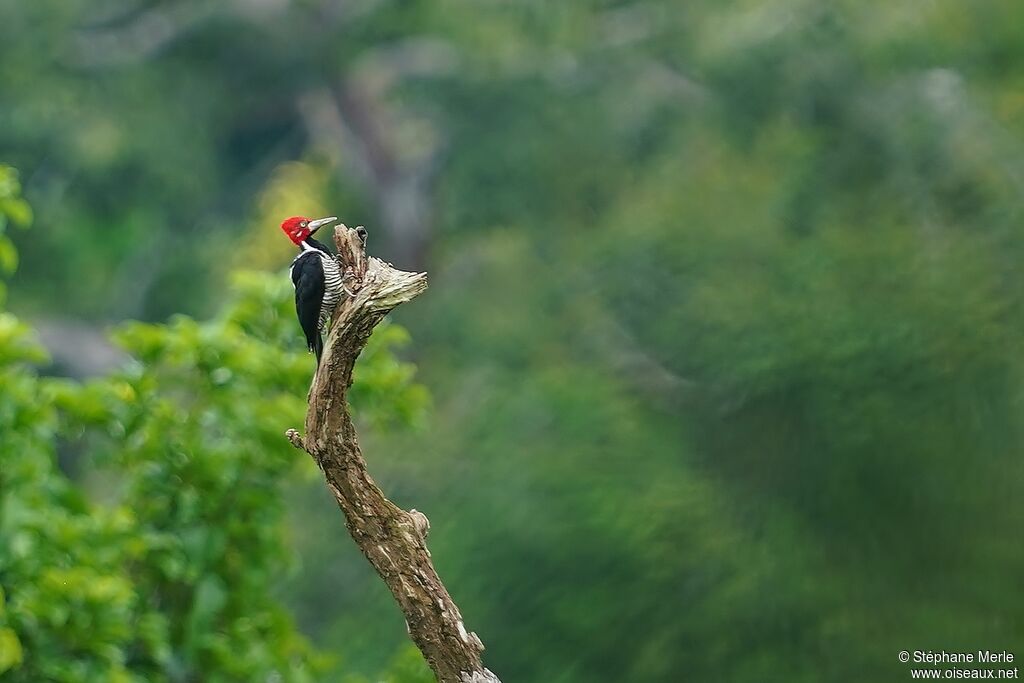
304,223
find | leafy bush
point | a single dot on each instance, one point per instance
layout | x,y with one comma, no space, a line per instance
168,571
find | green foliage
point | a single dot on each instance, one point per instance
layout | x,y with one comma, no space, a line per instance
723,329
407,666
171,574
71,612
13,211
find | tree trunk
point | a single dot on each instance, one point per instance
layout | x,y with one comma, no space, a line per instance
393,540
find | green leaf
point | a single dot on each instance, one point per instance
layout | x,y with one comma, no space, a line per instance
209,598
10,650
18,210
8,256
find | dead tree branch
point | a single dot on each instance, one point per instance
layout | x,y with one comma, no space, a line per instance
393,540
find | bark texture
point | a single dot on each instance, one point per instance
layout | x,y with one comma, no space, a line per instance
393,540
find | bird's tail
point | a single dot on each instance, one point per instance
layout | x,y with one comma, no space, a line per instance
318,348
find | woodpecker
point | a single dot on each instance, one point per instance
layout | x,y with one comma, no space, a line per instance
316,277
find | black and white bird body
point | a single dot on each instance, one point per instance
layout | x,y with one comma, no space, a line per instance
316,276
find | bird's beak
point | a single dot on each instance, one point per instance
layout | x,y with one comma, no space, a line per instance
320,222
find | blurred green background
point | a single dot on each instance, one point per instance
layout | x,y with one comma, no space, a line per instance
719,377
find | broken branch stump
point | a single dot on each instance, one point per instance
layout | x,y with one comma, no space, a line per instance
393,540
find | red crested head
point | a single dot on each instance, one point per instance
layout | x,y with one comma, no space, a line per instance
299,228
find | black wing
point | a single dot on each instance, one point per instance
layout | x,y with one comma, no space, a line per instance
308,278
